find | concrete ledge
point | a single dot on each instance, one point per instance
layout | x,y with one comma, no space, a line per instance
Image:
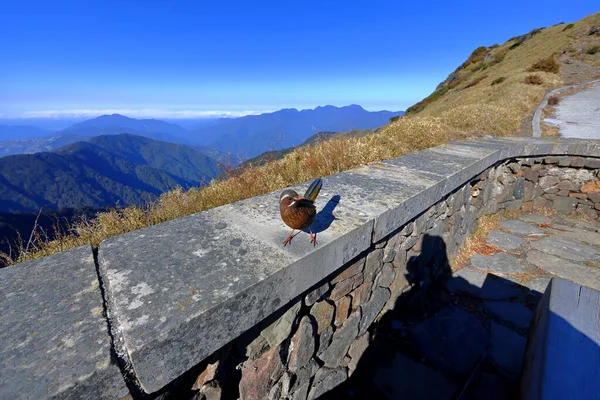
181,290
54,340
563,352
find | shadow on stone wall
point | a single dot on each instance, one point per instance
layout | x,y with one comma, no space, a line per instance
440,341
325,217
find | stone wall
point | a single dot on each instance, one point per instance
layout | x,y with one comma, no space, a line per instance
317,343
212,305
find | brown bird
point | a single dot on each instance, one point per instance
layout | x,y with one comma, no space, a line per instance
299,212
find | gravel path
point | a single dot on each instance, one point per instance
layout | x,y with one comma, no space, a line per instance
578,115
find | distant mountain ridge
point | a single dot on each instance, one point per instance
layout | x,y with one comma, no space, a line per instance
117,124
106,170
234,139
254,134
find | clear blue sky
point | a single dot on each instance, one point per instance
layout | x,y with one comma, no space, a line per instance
246,55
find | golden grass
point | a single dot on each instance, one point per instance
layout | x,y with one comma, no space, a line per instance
459,113
476,243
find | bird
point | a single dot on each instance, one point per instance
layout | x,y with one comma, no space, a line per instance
299,212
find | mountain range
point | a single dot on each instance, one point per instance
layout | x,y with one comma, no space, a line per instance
103,171
113,159
233,138
254,134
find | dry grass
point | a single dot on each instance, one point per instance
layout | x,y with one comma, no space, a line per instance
547,64
549,131
476,243
534,80
553,100
448,114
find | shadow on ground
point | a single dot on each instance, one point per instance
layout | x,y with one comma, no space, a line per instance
446,338
325,217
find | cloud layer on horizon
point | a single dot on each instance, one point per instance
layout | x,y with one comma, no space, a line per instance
145,113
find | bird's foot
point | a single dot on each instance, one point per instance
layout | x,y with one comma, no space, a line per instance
289,239
313,238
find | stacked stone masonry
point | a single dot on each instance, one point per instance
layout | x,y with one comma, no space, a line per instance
286,335
321,345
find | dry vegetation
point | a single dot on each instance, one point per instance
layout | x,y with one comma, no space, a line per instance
487,94
533,80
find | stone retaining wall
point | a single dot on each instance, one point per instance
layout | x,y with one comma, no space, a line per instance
212,306
317,343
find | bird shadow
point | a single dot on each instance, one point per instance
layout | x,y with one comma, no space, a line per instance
325,217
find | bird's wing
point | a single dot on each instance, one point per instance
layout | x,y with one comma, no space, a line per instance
304,203
313,190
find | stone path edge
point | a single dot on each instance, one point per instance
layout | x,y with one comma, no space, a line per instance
537,116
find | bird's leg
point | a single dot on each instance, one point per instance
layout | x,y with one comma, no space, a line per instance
313,238
289,238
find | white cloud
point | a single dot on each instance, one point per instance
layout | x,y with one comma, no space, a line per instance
146,113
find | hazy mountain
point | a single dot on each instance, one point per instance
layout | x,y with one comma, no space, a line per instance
254,134
100,172
14,132
116,124
36,145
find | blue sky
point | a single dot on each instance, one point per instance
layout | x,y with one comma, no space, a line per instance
196,57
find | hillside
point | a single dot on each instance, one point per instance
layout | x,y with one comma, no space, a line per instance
104,171
254,134
269,156
495,97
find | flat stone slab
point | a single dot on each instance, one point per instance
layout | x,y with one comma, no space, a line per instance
575,272
536,218
538,284
504,240
563,352
54,341
581,235
452,339
486,286
521,228
515,313
408,379
507,348
499,263
566,249
564,220
490,387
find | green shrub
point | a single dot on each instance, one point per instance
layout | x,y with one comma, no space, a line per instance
568,27
593,50
395,118
498,80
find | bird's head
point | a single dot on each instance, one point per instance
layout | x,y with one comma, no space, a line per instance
288,197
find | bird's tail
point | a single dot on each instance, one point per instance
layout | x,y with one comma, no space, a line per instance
313,190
